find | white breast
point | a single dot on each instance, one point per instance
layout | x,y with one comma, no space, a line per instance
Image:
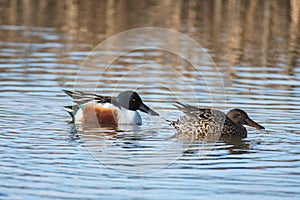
129,117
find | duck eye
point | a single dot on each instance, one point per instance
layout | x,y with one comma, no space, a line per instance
133,99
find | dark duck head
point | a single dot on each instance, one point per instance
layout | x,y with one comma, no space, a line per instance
241,117
130,100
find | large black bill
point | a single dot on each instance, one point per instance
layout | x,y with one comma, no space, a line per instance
252,123
148,110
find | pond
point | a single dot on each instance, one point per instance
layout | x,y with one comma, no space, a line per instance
224,54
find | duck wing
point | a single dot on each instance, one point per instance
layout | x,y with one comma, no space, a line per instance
83,97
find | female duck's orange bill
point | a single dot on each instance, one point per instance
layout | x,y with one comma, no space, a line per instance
252,123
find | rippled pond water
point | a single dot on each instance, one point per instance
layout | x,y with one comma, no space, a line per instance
250,59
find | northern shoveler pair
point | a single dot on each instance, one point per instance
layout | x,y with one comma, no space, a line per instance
122,109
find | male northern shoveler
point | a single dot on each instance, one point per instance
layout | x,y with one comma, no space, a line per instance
198,123
103,110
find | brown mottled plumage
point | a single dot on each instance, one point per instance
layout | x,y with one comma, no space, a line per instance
211,124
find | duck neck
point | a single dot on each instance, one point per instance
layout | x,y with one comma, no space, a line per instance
241,130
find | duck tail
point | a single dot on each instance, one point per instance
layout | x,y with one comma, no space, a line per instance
72,110
173,123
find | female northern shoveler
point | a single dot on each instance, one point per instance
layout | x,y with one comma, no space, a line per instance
198,123
103,110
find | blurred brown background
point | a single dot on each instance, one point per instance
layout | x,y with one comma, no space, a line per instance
227,28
